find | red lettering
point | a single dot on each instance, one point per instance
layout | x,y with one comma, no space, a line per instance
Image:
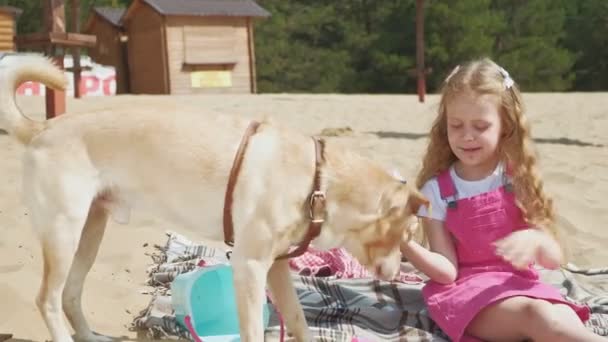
88,84
107,84
29,88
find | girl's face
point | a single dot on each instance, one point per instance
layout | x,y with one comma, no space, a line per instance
474,129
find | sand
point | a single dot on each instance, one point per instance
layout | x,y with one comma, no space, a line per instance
569,130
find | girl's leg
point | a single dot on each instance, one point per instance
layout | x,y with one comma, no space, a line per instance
519,318
501,321
576,329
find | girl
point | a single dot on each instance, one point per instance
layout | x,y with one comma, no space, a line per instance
490,219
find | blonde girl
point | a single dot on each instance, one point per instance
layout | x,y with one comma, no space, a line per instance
490,219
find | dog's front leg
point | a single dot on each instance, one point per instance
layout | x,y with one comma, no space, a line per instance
285,298
249,284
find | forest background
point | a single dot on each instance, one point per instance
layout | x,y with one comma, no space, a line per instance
368,46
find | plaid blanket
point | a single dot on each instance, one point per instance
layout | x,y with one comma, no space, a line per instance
345,310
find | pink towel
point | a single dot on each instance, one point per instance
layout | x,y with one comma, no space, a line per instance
340,264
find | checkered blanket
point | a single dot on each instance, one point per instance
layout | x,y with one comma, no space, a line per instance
341,309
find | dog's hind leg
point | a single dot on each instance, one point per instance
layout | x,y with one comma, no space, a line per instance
59,204
285,298
59,243
88,247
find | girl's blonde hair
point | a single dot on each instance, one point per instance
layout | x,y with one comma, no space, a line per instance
515,147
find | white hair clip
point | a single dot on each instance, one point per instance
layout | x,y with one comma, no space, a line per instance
508,81
454,71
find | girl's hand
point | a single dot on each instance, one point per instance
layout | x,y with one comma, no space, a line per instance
523,247
439,261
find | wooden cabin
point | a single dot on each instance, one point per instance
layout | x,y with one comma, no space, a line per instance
191,46
8,27
111,48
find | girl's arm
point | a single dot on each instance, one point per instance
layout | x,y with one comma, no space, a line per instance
438,263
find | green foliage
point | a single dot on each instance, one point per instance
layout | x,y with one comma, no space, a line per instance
30,20
454,35
531,44
586,27
302,48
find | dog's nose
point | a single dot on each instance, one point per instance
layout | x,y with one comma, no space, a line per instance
385,273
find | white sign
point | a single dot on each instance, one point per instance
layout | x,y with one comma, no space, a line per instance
99,80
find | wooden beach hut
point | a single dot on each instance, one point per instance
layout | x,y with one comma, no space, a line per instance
8,27
111,47
191,46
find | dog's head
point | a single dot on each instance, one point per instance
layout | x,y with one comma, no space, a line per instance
376,244
372,219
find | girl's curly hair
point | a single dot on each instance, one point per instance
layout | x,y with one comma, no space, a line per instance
482,77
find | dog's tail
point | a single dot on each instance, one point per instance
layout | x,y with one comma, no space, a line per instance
14,70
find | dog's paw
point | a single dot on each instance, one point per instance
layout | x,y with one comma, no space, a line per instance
93,337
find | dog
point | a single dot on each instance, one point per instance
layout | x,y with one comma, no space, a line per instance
81,169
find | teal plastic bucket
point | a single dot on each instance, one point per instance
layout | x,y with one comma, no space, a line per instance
204,300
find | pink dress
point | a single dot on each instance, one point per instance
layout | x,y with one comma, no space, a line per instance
483,277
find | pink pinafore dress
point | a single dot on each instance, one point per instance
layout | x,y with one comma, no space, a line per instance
483,277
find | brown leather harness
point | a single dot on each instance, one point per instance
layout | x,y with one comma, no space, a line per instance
316,203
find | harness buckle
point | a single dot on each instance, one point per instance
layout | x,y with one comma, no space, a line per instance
317,212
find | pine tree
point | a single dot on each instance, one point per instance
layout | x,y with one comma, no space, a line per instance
586,28
458,31
531,44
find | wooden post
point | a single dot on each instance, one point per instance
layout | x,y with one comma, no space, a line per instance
420,49
76,50
54,15
253,88
55,99
54,21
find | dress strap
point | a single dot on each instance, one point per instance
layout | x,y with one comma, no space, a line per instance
506,177
447,188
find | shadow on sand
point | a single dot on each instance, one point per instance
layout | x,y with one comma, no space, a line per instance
415,136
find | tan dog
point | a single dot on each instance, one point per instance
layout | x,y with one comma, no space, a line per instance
80,169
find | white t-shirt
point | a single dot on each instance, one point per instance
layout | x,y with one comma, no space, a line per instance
464,189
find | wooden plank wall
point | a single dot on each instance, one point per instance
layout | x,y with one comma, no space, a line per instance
146,53
213,42
7,31
209,44
109,51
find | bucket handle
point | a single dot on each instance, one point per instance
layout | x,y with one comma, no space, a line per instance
191,330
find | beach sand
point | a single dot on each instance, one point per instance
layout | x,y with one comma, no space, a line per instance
569,131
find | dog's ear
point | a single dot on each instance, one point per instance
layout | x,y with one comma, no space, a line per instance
394,198
403,196
416,199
